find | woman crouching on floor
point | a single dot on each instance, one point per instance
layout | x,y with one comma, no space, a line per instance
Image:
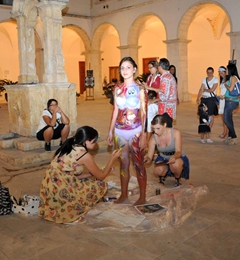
171,160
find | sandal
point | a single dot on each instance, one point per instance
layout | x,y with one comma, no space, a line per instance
223,136
162,180
177,182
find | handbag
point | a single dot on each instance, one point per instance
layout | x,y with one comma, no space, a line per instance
236,90
217,99
5,201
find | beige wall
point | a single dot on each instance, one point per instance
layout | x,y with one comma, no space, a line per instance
204,51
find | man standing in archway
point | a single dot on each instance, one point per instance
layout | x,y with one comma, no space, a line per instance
167,90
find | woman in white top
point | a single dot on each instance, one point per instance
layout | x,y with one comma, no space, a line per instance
207,92
53,124
222,74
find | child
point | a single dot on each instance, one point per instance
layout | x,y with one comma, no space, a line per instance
204,124
152,111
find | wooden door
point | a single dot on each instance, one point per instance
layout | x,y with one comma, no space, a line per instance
82,76
145,64
113,73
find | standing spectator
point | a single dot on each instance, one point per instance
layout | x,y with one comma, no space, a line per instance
167,91
172,70
231,103
53,124
222,75
153,80
207,92
127,127
151,111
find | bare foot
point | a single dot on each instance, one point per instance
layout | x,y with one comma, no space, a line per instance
140,201
122,199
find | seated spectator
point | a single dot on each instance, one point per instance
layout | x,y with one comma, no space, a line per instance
53,124
171,160
67,192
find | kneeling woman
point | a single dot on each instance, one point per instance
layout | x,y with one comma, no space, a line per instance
66,192
171,161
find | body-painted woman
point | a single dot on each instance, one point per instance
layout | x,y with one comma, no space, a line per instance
127,128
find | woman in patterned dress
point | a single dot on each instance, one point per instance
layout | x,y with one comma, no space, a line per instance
67,192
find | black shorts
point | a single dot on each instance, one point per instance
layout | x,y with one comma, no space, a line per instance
210,103
56,132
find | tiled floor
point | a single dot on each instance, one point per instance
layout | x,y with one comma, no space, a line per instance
212,231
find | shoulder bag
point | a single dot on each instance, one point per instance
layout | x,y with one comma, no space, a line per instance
236,90
216,103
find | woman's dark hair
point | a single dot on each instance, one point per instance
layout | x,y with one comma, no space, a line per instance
175,72
200,109
232,70
223,68
50,102
130,59
151,94
210,68
159,119
154,63
83,134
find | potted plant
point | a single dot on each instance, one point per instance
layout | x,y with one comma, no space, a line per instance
4,82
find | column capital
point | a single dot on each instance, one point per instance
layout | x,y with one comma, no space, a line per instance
174,41
233,34
124,47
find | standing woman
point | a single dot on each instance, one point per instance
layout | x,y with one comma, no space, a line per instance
127,128
172,70
153,80
222,75
207,92
231,103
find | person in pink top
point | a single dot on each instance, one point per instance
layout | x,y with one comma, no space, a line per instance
167,91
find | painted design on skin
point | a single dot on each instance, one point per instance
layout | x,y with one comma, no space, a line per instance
138,157
119,146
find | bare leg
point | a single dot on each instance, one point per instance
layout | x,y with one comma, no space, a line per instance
212,121
138,158
124,173
48,134
65,132
225,129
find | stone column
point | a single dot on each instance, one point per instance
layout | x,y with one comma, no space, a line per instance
235,45
51,15
94,62
177,54
27,101
26,45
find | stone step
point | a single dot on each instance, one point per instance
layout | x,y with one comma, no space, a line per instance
25,143
23,157
16,157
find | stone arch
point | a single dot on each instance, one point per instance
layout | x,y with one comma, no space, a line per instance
95,55
9,49
136,26
207,36
98,33
189,16
4,31
82,34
